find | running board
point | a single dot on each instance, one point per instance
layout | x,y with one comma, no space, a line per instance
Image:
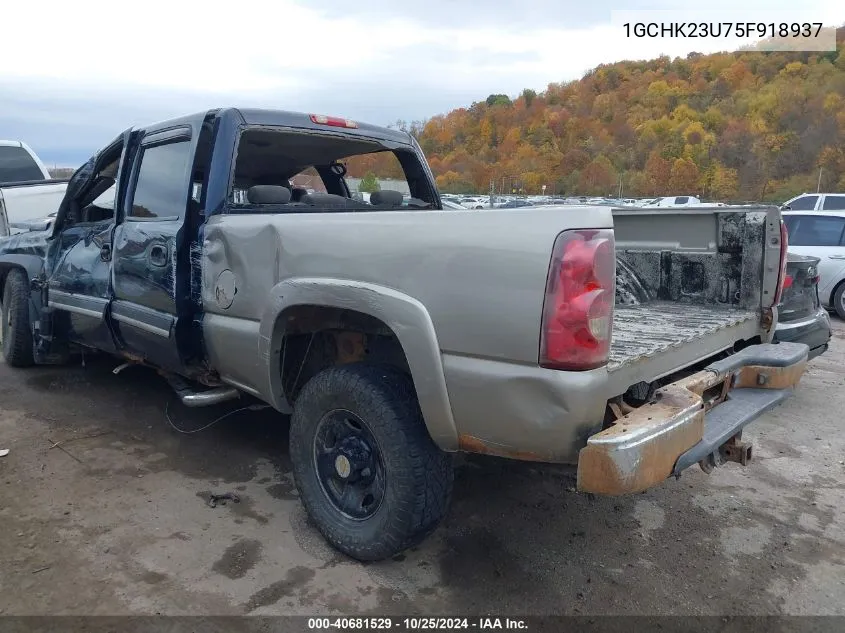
190,397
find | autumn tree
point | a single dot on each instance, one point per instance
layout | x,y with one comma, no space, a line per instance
528,97
724,183
746,125
684,176
453,182
658,171
598,177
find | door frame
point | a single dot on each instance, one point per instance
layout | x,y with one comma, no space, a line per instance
93,308
145,329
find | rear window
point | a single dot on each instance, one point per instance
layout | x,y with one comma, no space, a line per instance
814,230
286,170
368,173
16,164
804,203
834,203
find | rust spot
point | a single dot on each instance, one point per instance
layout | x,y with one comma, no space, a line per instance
761,377
642,447
613,464
135,358
471,444
619,407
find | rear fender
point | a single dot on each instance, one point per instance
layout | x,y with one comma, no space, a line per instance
404,315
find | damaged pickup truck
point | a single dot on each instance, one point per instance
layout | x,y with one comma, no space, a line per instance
233,259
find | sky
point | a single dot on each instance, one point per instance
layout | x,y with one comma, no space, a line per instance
73,75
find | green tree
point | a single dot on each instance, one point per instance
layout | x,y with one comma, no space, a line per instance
369,183
528,96
494,100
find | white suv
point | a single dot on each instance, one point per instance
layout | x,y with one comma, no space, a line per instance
822,234
817,202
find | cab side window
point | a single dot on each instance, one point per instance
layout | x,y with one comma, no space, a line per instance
160,190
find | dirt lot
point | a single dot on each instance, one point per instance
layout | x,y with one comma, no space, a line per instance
114,519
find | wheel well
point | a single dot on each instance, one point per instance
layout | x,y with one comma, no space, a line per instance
833,292
317,337
6,268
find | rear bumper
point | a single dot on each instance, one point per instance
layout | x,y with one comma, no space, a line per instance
690,420
813,331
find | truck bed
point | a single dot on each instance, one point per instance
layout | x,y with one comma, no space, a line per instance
689,284
647,330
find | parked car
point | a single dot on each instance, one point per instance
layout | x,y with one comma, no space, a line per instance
27,192
821,234
675,201
394,335
816,202
646,202
480,202
448,204
516,204
801,317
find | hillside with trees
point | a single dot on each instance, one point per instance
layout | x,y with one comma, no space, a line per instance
730,126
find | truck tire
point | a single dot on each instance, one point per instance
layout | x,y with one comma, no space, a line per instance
16,329
368,473
839,300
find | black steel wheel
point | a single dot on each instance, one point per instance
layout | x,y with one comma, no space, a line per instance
349,464
369,475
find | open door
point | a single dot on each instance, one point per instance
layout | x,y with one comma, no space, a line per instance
79,252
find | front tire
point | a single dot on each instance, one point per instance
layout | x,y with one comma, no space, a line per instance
368,473
16,326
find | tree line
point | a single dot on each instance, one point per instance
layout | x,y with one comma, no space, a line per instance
736,126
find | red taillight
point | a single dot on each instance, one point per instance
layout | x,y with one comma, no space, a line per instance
784,245
578,307
333,120
787,282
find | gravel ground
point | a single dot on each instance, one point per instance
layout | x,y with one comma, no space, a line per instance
103,510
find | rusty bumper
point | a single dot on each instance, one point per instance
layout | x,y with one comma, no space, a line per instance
689,420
